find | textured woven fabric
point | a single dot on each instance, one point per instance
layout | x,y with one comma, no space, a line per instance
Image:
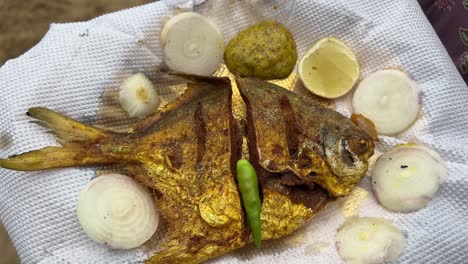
77,68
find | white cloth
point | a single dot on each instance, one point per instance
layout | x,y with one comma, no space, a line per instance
77,67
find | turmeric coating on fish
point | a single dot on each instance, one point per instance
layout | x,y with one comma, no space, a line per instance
305,156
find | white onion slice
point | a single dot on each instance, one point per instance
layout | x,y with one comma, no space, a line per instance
138,96
369,240
192,43
115,210
390,99
405,178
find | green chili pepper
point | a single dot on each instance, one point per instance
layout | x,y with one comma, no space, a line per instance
248,186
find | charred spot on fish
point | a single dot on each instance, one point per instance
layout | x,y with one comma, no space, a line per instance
142,174
323,147
318,138
289,179
277,149
346,156
196,242
79,155
272,165
304,162
236,145
315,198
319,150
312,174
310,195
196,239
252,145
292,129
358,146
242,126
176,159
156,194
174,154
237,131
200,130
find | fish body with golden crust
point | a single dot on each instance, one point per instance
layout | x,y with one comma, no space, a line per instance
305,156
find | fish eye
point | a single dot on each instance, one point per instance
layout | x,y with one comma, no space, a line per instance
358,145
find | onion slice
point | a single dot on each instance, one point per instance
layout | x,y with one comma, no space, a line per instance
138,96
390,99
369,240
115,210
405,178
192,44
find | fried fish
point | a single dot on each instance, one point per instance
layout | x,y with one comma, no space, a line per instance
305,156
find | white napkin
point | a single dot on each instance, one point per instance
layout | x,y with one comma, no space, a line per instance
78,67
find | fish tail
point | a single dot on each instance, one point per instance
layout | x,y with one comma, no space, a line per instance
81,144
55,157
65,128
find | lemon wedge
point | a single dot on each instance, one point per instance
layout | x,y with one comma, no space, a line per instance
329,68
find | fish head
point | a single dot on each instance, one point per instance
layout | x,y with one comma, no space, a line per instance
294,135
346,150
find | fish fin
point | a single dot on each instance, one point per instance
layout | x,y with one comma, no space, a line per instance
197,87
65,128
80,144
176,251
202,79
171,252
140,173
71,154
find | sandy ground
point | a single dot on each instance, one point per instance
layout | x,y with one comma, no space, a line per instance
7,251
22,25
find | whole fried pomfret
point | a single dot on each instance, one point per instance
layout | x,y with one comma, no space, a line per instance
305,155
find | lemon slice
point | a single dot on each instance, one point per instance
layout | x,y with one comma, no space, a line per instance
329,68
